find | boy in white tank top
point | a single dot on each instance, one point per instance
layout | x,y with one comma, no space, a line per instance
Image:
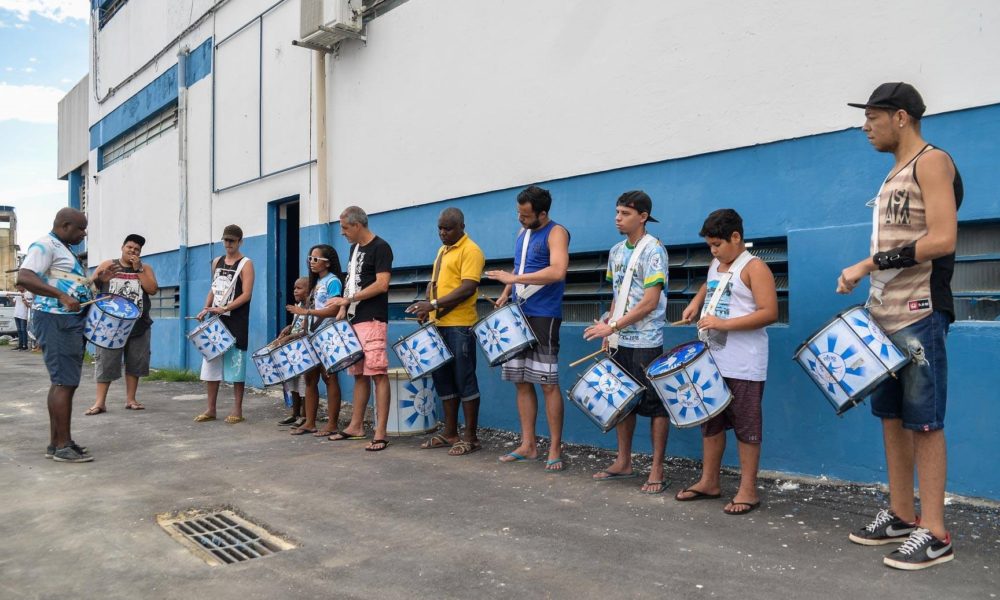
731,309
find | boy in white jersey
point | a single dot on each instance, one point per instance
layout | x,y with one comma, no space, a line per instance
735,304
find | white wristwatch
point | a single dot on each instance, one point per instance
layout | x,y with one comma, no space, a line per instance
434,303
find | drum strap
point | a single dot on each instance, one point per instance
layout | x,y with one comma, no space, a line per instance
435,272
351,287
525,291
621,299
67,276
724,278
228,295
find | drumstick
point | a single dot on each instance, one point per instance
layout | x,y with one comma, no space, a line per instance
191,318
88,302
586,358
681,322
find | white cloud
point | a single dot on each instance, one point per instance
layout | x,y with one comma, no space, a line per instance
28,69
33,59
31,103
8,69
56,10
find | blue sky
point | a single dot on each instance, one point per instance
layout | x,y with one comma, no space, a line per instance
43,54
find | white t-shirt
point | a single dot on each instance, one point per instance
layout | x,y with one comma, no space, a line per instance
50,253
745,354
21,304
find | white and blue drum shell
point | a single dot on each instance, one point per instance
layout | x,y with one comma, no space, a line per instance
413,408
265,366
689,384
110,321
337,345
606,394
212,338
422,352
294,357
849,357
504,333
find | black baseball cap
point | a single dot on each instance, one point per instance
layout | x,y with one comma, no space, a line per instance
135,237
895,95
638,200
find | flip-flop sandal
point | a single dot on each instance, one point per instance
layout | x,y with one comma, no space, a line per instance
301,431
339,436
750,506
461,448
553,462
203,418
612,476
135,406
698,495
438,441
662,487
382,443
95,410
233,419
324,433
514,458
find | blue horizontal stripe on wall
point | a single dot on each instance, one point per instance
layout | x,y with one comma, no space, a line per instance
156,96
811,191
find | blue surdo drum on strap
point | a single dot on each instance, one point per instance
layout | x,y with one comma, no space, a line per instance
689,384
110,320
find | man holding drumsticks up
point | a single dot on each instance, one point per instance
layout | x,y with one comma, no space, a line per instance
637,270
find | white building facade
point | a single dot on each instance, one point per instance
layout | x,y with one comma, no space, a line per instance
204,113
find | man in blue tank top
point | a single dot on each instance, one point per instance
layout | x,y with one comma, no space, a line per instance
541,256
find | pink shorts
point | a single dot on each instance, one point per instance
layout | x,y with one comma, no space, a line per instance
372,335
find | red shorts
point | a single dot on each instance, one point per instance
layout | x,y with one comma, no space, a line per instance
743,415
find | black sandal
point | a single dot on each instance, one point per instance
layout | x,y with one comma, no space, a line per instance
383,444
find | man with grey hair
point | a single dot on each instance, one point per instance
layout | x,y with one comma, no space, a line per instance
366,302
451,304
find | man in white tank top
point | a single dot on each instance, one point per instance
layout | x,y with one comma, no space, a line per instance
735,304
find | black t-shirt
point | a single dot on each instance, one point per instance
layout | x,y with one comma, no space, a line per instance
374,257
238,321
126,283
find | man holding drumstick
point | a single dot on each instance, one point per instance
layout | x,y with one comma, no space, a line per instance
59,282
452,293
538,281
913,256
637,270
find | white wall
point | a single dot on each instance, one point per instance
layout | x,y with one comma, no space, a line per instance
454,97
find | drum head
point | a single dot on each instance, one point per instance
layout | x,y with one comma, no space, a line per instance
118,306
675,358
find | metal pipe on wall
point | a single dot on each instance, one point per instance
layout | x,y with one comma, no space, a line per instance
322,197
182,198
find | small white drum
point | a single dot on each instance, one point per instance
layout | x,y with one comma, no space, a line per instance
265,365
422,352
689,384
212,338
849,357
337,345
504,333
606,393
294,357
412,404
110,321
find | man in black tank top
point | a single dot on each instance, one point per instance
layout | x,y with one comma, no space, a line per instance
914,233
135,281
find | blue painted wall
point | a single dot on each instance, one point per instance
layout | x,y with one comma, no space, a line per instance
811,190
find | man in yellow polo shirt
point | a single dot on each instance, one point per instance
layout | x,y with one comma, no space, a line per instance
451,304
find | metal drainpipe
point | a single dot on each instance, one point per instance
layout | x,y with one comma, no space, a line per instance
182,197
322,195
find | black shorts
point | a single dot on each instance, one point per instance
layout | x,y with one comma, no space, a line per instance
635,361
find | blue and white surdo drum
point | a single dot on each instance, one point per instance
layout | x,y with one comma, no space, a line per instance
212,338
606,393
504,333
689,384
849,357
413,406
266,365
422,352
337,345
294,357
109,321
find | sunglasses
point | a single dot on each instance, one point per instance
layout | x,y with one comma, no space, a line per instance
314,259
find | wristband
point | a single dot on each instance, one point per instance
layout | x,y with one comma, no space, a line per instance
897,258
434,303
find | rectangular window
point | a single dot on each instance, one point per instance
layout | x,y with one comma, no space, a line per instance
166,303
107,9
144,133
588,295
976,281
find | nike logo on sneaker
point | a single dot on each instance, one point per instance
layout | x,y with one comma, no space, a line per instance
893,532
933,554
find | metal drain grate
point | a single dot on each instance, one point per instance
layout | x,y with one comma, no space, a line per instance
222,537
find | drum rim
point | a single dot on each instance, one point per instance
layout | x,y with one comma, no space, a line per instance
679,366
827,323
504,307
620,414
337,367
108,295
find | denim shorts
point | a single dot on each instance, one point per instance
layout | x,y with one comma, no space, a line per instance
61,338
457,379
919,392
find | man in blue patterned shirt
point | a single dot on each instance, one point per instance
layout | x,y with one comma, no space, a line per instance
59,282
